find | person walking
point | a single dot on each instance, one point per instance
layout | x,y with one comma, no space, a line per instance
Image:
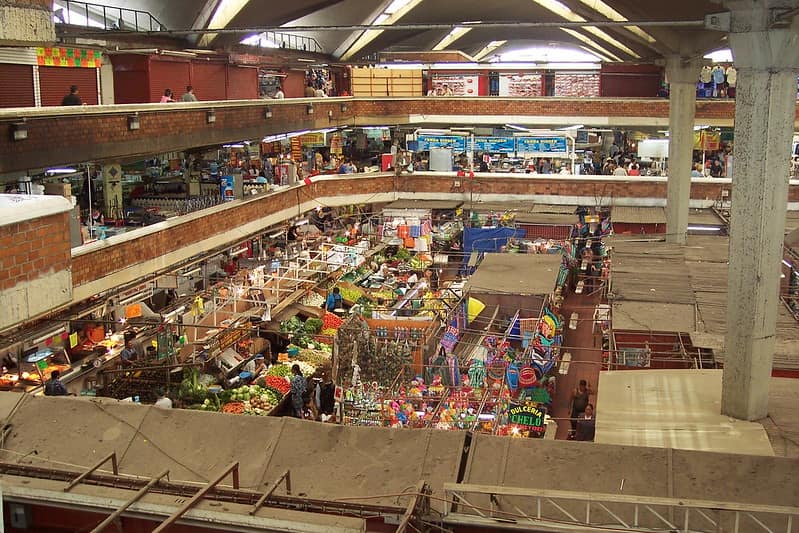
298,387
334,300
579,402
167,97
72,98
189,96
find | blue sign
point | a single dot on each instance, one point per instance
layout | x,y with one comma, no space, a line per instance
495,145
542,145
426,142
226,188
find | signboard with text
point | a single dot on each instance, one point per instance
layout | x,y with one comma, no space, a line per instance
495,145
426,142
527,418
542,145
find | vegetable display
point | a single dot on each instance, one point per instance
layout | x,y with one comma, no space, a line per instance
235,408
278,383
279,370
331,321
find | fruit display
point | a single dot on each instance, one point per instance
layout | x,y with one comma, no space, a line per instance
331,321
280,384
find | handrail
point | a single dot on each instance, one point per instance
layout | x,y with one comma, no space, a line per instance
111,18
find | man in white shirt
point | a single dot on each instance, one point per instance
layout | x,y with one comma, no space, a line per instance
163,401
279,95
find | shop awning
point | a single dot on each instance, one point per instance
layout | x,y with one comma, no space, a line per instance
516,274
653,316
638,215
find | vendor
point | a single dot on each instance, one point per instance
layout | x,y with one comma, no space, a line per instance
54,386
255,365
334,300
128,355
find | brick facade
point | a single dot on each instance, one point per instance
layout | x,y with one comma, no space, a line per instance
32,249
89,266
95,135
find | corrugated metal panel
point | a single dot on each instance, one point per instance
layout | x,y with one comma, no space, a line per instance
165,74
546,231
17,84
242,83
18,56
54,83
638,215
208,80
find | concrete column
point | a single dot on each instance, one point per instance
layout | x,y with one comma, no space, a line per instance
26,21
767,61
682,76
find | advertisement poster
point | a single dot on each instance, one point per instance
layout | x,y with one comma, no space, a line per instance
520,85
226,188
426,142
495,145
460,84
542,145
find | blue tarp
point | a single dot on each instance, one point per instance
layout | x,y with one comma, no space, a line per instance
488,239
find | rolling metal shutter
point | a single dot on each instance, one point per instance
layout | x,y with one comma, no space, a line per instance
54,83
208,80
165,74
242,83
17,84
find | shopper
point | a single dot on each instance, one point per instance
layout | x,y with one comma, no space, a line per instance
634,171
167,97
619,171
54,386
279,94
579,401
334,300
446,91
716,170
298,388
72,98
325,397
163,401
586,425
309,90
189,96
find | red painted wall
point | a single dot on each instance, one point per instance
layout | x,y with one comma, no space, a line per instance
294,84
630,80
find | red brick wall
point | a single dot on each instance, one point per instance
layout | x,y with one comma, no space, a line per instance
99,263
96,264
58,140
29,250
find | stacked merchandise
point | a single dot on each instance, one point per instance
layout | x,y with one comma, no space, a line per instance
571,84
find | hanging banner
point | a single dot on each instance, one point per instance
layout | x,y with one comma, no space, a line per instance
336,144
296,149
542,145
527,418
524,85
495,145
459,84
707,140
425,142
69,57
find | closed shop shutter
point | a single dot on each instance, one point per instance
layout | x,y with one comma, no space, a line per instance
546,231
168,75
208,80
17,84
242,83
54,83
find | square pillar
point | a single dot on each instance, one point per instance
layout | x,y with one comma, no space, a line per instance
682,76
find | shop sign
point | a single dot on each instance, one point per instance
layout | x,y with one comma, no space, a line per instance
460,85
132,311
336,144
68,57
296,149
228,338
494,145
226,188
527,417
425,142
542,145
313,139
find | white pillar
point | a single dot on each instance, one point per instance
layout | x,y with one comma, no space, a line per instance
767,61
682,76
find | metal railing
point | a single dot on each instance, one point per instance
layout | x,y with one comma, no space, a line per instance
502,507
273,39
109,18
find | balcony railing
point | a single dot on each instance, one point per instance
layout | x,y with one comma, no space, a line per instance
86,15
